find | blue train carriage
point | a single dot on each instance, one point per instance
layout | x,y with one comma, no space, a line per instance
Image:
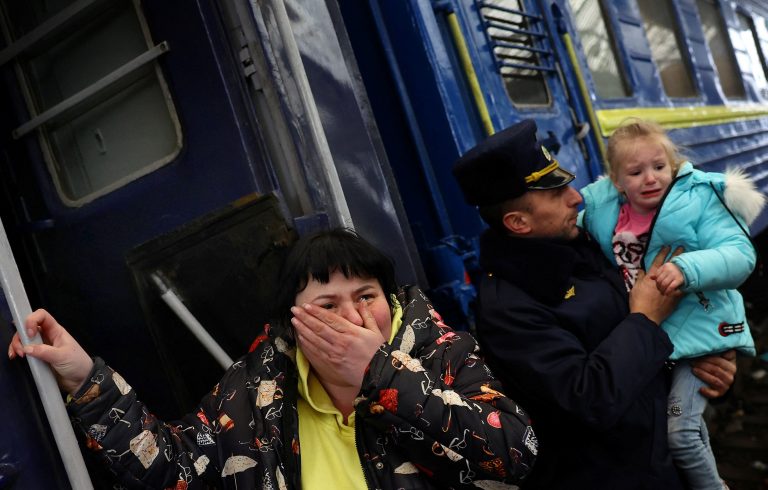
164,152
155,147
462,69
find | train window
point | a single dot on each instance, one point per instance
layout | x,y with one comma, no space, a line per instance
760,26
599,49
751,40
663,35
517,40
720,47
94,91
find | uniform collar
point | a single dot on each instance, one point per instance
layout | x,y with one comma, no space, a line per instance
541,267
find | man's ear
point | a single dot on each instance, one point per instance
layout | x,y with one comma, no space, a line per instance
517,222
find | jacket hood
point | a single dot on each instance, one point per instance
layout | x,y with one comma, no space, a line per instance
741,196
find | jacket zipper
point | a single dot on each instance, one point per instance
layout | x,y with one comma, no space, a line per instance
360,455
656,216
703,300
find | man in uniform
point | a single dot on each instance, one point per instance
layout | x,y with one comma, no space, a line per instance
584,357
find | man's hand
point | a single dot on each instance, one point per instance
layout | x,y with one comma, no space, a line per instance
668,278
69,361
717,371
646,298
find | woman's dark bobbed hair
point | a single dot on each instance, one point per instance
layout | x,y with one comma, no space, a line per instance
316,256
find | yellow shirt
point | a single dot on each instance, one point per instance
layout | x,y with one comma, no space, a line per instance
328,454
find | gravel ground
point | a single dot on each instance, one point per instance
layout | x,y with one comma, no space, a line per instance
738,424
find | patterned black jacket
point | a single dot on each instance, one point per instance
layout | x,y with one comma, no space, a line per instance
429,415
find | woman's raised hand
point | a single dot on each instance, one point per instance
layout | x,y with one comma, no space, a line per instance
338,350
70,363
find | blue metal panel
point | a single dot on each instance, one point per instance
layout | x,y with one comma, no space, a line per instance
441,110
396,120
419,115
376,210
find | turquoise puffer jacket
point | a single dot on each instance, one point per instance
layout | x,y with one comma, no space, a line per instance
718,257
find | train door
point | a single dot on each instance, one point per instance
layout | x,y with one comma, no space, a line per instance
124,126
524,72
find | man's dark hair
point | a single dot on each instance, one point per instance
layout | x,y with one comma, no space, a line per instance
493,214
318,255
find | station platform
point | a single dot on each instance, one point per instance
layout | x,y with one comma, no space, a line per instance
738,424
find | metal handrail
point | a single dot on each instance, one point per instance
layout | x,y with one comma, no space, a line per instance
469,71
483,4
515,30
585,94
506,44
48,389
522,66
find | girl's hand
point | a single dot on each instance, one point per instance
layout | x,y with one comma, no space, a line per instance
645,297
668,278
70,363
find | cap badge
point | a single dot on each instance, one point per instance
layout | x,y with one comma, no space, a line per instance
546,153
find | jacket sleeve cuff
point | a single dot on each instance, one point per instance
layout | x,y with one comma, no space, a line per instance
98,365
680,263
102,383
660,334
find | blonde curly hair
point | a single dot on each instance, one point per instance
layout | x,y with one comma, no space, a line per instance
632,129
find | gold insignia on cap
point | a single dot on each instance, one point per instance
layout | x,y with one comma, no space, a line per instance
535,176
546,153
570,293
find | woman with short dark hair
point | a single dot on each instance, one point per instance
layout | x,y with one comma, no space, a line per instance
359,385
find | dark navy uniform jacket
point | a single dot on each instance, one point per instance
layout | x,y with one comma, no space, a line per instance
554,322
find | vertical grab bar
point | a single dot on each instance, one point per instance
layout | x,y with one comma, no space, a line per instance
47,387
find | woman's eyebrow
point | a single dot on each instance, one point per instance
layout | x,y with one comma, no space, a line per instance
364,288
324,296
